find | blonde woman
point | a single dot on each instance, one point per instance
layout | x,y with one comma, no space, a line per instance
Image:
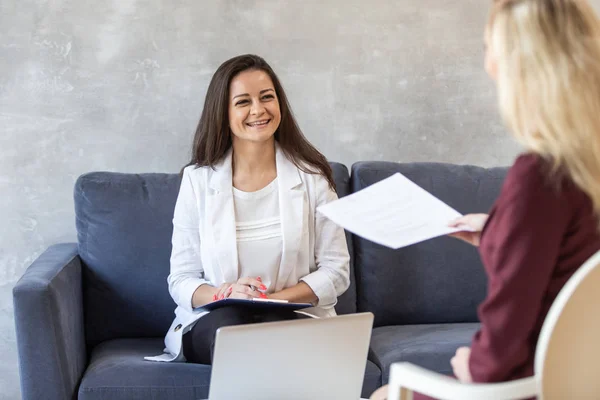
545,58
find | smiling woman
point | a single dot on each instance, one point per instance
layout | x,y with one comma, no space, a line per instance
254,108
241,87
245,223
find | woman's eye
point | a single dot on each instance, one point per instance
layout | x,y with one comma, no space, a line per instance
268,97
241,102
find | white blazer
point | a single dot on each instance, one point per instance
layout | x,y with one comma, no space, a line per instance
205,247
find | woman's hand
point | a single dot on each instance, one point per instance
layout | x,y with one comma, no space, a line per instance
460,365
380,394
244,288
299,293
476,222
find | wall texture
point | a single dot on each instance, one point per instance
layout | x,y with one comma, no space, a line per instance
119,84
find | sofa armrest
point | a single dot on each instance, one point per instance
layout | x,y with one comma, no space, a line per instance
48,309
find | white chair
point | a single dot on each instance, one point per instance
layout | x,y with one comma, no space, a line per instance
566,358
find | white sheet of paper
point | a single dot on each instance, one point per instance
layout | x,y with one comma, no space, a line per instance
394,212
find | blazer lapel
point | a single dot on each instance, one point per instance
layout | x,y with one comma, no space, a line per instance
221,217
292,213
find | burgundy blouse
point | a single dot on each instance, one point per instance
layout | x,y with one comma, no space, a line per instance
537,235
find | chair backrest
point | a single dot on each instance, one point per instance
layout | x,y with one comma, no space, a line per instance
568,349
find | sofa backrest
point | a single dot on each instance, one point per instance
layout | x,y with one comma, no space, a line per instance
124,228
440,280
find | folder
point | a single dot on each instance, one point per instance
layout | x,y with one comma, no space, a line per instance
254,304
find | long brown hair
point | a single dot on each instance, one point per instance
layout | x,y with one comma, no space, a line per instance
213,137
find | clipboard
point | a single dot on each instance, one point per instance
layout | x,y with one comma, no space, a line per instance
254,304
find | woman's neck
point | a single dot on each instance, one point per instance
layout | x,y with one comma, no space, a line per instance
253,165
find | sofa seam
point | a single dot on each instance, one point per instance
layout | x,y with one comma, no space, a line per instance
91,178
66,265
84,233
46,284
123,388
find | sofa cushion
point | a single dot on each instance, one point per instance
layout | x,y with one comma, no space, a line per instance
118,371
429,346
124,229
440,280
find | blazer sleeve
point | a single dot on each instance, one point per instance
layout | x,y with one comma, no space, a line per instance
519,249
332,276
187,273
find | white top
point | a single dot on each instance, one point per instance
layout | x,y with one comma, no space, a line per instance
258,233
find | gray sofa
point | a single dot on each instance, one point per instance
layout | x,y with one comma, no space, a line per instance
86,313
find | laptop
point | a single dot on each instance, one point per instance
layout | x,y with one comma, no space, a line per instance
302,359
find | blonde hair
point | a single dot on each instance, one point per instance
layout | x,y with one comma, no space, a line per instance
548,59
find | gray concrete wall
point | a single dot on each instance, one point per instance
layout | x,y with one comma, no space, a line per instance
119,84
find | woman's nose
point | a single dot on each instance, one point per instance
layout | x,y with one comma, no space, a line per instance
257,108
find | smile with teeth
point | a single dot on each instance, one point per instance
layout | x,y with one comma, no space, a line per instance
259,123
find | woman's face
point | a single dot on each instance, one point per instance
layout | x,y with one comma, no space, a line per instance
254,113
491,64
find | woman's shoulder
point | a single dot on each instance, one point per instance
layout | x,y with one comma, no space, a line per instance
529,170
197,176
529,163
312,176
196,171
534,175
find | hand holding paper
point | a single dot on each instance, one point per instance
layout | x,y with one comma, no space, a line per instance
394,212
475,222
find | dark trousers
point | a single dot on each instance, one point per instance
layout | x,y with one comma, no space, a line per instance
199,343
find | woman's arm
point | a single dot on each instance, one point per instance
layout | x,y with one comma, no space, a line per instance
519,249
204,294
300,293
332,276
187,285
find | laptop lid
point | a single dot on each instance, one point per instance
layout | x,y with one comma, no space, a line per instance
301,359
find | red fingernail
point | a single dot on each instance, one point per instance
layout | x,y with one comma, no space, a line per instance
230,289
259,279
222,296
215,297
263,287
263,296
